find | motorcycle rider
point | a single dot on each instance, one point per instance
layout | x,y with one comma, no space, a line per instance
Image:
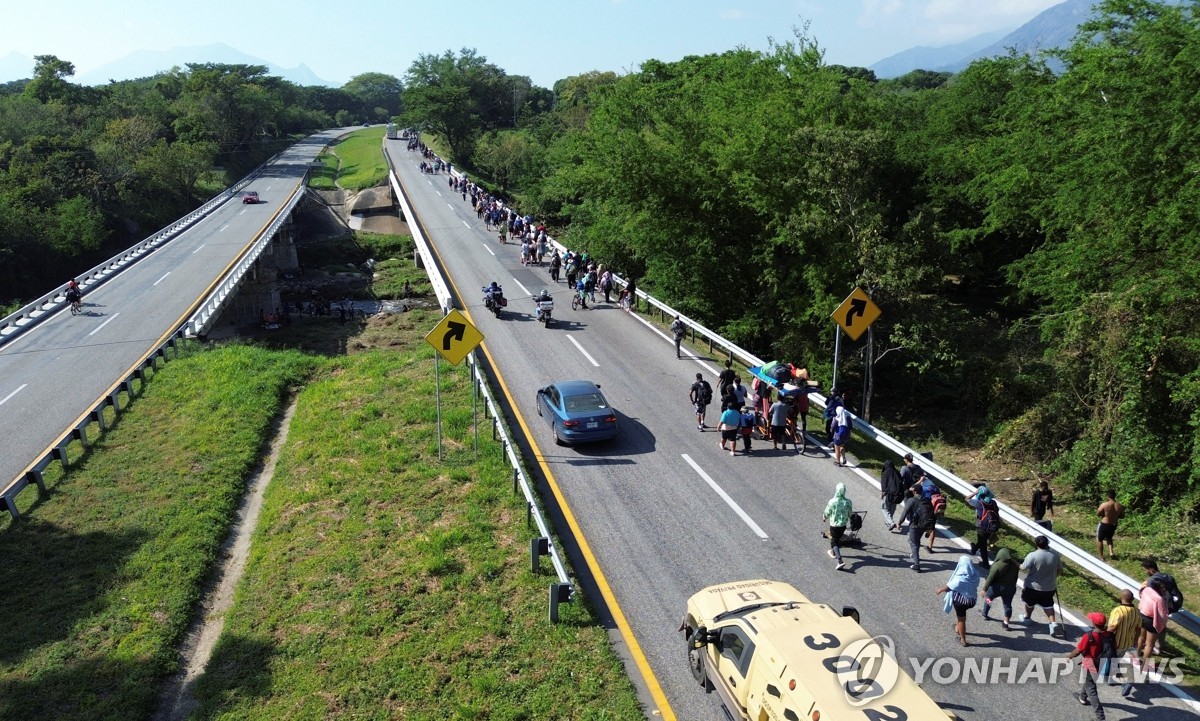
543,297
492,295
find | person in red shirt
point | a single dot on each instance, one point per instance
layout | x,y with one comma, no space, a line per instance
1089,647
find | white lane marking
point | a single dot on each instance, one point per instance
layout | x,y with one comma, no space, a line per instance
266,188
585,353
244,209
670,340
523,288
10,395
110,320
437,191
164,277
469,225
222,228
724,496
451,207
197,250
488,249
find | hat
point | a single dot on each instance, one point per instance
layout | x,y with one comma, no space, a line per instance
1097,618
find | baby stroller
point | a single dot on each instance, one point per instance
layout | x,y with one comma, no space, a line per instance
850,537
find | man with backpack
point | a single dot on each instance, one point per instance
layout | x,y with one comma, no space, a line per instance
678,329
921,520
700,396
987,522
1096,646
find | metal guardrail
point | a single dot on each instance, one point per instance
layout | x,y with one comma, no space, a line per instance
563,591
111,398
1011,517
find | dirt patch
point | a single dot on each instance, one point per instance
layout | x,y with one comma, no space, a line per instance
177,702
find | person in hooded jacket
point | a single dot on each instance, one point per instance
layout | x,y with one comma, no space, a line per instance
891,492
837,513
961,594
1001,583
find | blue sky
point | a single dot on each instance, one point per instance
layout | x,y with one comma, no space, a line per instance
544,39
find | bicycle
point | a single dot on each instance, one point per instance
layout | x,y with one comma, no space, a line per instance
579,299
76,307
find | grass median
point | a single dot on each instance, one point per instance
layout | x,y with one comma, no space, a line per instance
102,576
384,583
354,162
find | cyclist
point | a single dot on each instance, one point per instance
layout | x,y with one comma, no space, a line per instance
582,291
74,294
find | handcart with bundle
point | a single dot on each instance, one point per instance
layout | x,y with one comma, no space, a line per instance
793,386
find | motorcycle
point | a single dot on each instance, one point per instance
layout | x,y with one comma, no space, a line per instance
545,308
494,300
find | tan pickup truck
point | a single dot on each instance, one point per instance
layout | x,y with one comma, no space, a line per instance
770,653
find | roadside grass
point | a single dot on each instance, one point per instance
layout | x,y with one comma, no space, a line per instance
384,583
353,162
105,573
393,255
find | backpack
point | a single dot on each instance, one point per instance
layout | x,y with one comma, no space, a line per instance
1106,649
923,515
855,522
938,502
1164,584
705,394
989,518
831,409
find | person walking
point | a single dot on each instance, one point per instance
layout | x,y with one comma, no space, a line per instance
1110,513
1001,583
738,392
725,379
891,492
1090,647
700,395
1042,568
749,421
837,513
606,284
919,514
777,417
1041,503
1124,623
841,434
731,420
678,329
987,522
961,595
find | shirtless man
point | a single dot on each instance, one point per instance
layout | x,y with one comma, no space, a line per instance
1110,512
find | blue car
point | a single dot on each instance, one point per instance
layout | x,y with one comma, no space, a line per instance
577,412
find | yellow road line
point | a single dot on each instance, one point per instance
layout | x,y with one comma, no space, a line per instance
635,649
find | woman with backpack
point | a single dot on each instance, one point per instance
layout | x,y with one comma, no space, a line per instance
987,522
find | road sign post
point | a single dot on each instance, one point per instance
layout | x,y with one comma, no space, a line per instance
855,315
453,338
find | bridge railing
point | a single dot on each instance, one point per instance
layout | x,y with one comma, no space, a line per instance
1013,518
560,592
37,310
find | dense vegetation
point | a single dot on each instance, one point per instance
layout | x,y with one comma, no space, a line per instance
1029,232
85,171
1031,235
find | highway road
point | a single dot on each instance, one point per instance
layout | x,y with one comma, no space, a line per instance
666,513
52,374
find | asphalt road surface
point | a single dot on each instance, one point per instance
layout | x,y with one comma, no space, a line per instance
667,513
51,375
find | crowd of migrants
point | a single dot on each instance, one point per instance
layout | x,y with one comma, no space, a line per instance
911,501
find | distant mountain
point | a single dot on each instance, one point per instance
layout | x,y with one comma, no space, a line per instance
15,66
145,63
1054,28
927,58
